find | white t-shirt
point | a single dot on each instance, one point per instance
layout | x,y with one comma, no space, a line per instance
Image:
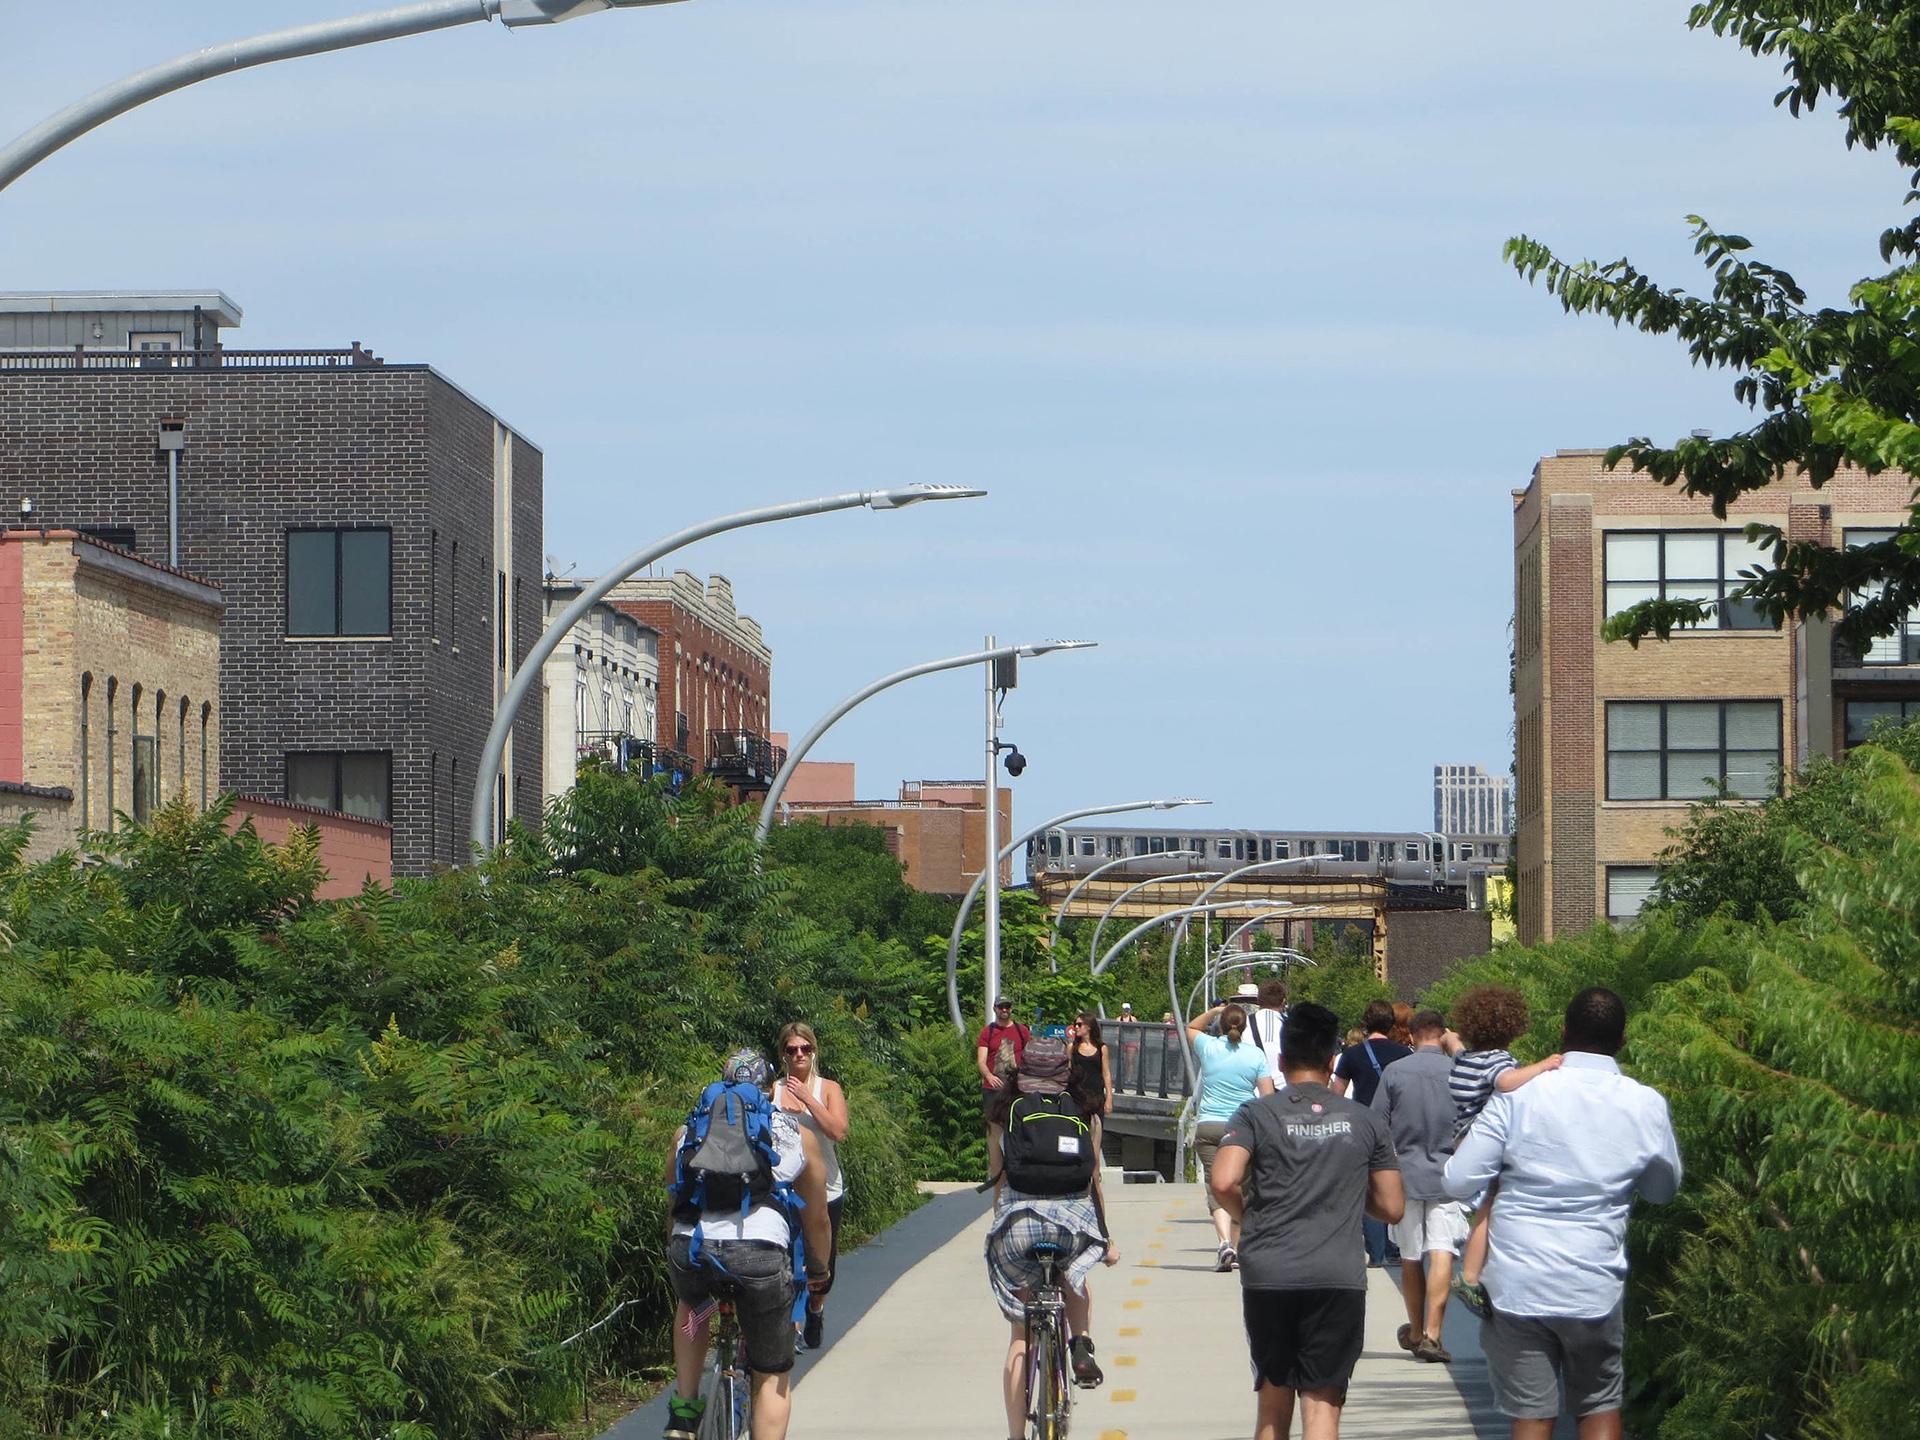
1265,1025
765,1221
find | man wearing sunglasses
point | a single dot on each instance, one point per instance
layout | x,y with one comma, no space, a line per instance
998,1053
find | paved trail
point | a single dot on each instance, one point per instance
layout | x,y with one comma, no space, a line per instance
924,1358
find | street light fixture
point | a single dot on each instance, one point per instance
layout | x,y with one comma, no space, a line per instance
1093,945
1060,917
151,83
993,864
770,807
527,676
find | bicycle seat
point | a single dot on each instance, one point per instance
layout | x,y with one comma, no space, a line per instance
1045,1250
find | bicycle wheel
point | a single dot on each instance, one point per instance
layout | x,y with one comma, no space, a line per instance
729,1396
1061,1386
1043,1383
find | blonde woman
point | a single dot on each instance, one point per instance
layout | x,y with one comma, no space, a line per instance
819,1105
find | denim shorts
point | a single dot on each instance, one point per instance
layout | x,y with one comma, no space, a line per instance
757,1278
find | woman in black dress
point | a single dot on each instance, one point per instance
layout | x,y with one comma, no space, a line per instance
1087,1055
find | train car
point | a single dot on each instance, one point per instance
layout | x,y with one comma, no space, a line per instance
1401,857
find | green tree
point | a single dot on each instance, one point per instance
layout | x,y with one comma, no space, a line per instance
1831,384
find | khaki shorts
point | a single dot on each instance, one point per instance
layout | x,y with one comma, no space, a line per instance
1206,1144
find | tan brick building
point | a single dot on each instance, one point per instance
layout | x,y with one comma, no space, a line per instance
109,681
937,829
1614,744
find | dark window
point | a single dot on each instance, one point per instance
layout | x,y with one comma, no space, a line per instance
121,535
146,777
1700,565
500,620
339,582
1363,850
1863,715
1686,750
433,587
354,782
1902,647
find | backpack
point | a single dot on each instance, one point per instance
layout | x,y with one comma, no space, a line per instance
726,1161
1048,1146
1006,1055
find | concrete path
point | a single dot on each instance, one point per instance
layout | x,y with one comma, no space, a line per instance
923,1359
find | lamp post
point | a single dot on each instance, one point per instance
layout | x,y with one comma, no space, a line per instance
1220,965
524,679
770,807
1005,853
1184,913
1180,935
151,83
1093,946
1060,917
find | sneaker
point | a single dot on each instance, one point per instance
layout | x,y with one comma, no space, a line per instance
683,1418
1432,1351
1226,1259
810,1334
1474,1296
1086,1371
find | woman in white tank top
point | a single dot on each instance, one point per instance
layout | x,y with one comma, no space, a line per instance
819,1105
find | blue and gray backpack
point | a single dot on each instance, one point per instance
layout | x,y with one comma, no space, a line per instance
726,1162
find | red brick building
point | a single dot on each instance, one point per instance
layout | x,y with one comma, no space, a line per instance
715,674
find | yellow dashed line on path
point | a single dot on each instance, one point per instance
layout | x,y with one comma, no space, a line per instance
1162,1229
1149,1263
1129,1332
1113,1435
1124,1397
1133,1304
1143,1280
1125,1360
1155,1245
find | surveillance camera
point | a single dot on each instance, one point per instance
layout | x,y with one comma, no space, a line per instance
1014,761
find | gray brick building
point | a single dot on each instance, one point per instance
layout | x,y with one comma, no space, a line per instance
376,530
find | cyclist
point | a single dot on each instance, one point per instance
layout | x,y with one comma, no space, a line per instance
744,1254
1062,1208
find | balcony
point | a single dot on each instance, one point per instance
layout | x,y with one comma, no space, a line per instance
628,753
743,759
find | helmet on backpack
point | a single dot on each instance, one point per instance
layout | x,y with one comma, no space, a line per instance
747,1066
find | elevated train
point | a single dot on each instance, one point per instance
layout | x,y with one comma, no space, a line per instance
1415,857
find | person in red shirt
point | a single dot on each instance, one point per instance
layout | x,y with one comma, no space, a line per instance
1001,1045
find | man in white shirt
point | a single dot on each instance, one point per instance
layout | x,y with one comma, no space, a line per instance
1569,1149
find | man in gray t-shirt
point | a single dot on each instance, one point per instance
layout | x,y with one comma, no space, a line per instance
1312,1163
1417,1107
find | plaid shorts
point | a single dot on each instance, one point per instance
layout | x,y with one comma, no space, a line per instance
1068,1222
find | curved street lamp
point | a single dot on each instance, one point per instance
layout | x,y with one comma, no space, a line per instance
1093,946
1060,917
1180,935
343,34
1006,853
528,675
1184,913
770,806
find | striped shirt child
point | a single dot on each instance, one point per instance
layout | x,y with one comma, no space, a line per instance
1471,1084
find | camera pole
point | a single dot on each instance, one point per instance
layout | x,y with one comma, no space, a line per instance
990,937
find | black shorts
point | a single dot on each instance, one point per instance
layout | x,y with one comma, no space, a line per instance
1305,1339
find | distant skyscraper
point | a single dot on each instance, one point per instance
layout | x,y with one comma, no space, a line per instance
1469,801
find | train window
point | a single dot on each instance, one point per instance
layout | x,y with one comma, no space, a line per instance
1306,847
1225,849
1466,852
1240,849
1280,850
1086,844
1266,850
1334,847
1363,850
1413,850
1157,845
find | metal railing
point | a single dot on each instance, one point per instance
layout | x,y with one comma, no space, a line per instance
1147,1061
744,756
218,358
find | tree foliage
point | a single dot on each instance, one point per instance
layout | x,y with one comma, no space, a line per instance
1830,384
1774,1296
284,1168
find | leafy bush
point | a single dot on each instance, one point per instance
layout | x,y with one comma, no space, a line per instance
279,1168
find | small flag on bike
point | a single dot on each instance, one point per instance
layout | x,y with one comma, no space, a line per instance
696,1318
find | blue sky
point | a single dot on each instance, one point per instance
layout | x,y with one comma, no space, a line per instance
1208,295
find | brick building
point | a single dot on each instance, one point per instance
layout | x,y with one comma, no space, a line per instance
715,675
1615,744
602,688
375,530
109,681
937,829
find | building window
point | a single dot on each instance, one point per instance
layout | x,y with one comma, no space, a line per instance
146,777
1687,750
1684,565
113,691
354,782
206,716
183,747
1902,647
1863,715
500,621
1629,887
339,582
453,809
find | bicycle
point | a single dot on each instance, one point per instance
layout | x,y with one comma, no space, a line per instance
1049,1381
729,1389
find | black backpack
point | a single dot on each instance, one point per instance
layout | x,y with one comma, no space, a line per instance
1048,1146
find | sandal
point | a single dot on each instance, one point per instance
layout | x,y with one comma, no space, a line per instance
1408,1340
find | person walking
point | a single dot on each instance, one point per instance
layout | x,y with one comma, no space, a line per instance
1356,1073
820,1106
1302,1166
1413,1100
1087,1058
1268,1025
1233,1070
1130,1045
997,1056
1570,1149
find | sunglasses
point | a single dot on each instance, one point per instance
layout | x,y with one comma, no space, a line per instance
799,1049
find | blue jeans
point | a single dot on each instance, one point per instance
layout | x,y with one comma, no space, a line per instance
1379,1238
